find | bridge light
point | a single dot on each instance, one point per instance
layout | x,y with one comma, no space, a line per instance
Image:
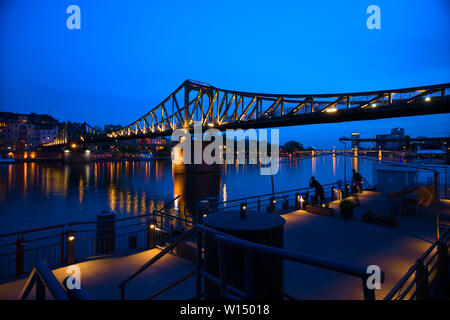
373,105
210,124
428,99
73,145
334,109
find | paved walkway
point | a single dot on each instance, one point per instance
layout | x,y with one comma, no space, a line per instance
351,241
100,277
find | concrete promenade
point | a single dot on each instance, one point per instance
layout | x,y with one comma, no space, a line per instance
356,242
351,241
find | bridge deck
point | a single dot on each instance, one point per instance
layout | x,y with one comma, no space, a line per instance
393,249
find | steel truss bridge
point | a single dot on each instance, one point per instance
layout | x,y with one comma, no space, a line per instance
227,109
74,132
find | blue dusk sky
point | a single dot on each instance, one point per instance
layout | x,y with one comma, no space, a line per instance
129,55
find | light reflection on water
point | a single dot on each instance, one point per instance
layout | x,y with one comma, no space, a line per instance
40,194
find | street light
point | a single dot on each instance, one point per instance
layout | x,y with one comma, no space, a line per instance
345,160
243,210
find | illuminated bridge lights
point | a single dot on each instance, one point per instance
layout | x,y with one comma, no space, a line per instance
229,109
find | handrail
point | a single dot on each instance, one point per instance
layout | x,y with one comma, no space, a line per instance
325,263
76,293
37,238
271,194
43,277
329,264
413,268
186,235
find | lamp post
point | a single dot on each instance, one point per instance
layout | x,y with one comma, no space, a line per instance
345,161
243,210
70,248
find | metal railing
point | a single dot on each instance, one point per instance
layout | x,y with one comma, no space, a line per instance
426,177
428,277
78,241
44,280
228,291
262,202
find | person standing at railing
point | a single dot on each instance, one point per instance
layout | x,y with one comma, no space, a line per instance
318,190
356,185
339,189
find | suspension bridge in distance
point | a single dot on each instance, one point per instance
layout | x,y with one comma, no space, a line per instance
227,109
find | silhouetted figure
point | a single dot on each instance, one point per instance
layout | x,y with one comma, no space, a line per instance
318,190
356,186
356,182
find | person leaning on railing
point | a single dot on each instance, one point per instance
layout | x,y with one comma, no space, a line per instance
318,190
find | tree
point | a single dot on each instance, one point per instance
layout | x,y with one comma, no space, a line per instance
293,146
98,129
111,127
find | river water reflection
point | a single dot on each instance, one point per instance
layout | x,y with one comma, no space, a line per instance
40,194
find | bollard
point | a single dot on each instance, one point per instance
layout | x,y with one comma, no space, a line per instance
19,256
151,238
70,248
297,201
303,203
333,191
243,210
105,233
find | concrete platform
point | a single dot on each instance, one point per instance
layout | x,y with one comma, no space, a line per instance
351,241
101,277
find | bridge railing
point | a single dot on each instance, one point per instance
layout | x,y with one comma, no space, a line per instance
79,241
428,277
